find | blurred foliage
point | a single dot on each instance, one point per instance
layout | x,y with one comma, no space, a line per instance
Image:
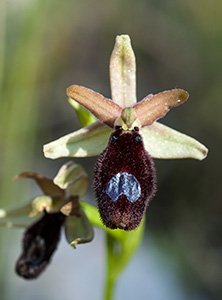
45,46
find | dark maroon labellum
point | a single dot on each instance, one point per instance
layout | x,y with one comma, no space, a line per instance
39,242
124,181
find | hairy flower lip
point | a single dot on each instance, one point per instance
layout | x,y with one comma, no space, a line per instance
124,160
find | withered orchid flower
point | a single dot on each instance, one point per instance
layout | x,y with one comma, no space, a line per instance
45,215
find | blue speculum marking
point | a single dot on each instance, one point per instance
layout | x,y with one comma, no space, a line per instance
123,183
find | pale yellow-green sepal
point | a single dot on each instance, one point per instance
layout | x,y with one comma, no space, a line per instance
78,229
73,179
123,72
17,216
87,141
161,141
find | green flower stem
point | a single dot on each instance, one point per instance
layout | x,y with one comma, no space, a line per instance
121,245
110,277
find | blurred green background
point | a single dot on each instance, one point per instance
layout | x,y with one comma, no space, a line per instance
47,45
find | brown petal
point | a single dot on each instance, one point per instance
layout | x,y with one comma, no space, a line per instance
46,185
105,110
152,108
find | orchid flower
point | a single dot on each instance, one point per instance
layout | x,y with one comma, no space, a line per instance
129,136
45,215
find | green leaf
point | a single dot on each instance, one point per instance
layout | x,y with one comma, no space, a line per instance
85,117
161,141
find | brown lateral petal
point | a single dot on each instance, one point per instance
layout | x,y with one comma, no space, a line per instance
46,185
152,108
105,110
